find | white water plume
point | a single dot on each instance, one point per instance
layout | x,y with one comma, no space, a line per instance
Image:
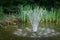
35,16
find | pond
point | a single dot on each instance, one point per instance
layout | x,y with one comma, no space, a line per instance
9,35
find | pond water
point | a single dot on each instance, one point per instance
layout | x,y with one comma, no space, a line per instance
46,31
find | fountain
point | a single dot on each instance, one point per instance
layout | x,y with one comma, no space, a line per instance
35,16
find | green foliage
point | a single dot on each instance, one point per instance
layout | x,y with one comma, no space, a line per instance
46,3
1,14
22,15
